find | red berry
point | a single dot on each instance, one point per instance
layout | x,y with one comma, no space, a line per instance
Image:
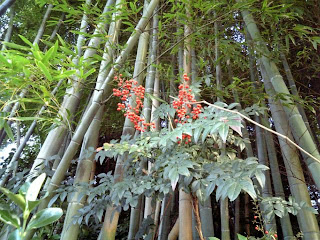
266,232
275,235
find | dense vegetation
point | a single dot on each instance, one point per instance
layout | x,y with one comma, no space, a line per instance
159,119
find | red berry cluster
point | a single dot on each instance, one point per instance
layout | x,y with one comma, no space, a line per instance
185,138
183,104
127,88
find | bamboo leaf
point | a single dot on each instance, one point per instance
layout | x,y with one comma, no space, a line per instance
8,131
26,40
44,70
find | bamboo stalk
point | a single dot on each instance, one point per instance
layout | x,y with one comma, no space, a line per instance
84,170
224,214
277,183
306,219
174,233
8,35
165,217
298,127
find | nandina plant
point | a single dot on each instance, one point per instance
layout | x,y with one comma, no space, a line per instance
188,153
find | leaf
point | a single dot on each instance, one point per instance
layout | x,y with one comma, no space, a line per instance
35,187
16,198
210,188
9,218
16,46
197,133
247,186
241,237
237,129
261,178
223,132
44,70
174,177
213,238
234,191
44,217
14,235
26,40
87,74
4,60
8,131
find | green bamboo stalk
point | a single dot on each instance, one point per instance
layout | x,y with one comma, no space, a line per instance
8,35
224,214
298,127
43,24
185,215
84,170
236,217
306,219
285,221
55,30
266,189
185,199
135,219
294,91
5,5
277,182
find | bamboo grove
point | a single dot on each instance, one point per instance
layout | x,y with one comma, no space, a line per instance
160,120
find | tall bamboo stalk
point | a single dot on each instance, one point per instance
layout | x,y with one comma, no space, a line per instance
236,217
5,5
298,127
266,189
43,24
185,199
277,182
165,217
306,219
8,35
224,214
84,169
174,233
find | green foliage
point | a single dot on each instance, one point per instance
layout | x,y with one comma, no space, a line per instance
27,201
